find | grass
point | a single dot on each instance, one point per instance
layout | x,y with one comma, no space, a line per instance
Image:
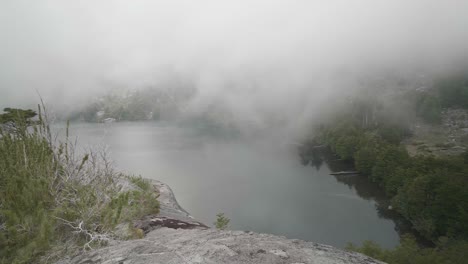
55,202
143,184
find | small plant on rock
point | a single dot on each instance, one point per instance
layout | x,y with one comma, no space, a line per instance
222,222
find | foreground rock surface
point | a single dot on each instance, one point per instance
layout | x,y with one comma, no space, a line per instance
173,236
167,245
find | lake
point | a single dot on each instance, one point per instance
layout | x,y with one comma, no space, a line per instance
259,183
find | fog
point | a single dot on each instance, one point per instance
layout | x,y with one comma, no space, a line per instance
259,59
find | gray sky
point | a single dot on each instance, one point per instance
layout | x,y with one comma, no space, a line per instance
255,56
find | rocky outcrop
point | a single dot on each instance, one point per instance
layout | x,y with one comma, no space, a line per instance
170,215
169,212
167,245
173,236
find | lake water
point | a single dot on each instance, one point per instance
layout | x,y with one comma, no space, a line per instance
259,184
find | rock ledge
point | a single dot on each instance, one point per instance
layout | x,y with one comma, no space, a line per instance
173,236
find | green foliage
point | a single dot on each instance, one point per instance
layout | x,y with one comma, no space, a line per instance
15,115
408,252
388,159
144,200
143,203
392,133
432,193
222,222
428,107
365,159
453,91
435,203
142,104
465,157
342,139
53,202
26,167
143,184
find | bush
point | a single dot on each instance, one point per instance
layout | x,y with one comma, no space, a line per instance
453,91
54,202
408,252
432,193
429,108
222,222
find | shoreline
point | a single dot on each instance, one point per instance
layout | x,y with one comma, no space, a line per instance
174,236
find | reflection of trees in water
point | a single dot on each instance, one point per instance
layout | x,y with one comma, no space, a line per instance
316,156
371,191
364,187
312,160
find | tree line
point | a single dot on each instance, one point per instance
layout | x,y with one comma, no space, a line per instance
431,192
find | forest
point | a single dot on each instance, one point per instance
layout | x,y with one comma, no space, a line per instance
151,103
428,190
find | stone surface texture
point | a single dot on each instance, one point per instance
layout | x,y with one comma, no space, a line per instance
173,236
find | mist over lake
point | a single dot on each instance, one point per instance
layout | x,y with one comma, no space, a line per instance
256,131
259,184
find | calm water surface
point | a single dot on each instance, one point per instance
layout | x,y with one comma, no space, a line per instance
258,184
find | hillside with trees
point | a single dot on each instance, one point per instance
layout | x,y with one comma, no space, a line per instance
429,186
134,105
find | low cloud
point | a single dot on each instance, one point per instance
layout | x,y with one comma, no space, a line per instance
260,59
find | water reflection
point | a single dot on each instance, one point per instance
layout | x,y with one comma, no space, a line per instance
259,185
316,156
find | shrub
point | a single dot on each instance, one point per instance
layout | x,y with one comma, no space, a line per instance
222,222
54,201
408,252
429,108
